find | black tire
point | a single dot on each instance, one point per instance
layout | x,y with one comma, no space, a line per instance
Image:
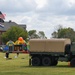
46,61
54,63
36,61
72,63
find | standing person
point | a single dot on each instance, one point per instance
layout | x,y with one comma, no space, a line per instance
17,54
10,44
7,55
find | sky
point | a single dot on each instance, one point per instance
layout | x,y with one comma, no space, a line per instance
40,15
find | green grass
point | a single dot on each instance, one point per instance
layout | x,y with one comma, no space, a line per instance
20,66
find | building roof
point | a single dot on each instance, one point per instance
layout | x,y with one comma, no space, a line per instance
23,26
7,25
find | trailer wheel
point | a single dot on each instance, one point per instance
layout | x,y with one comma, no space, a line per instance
72,63
46,61
36,61
54,63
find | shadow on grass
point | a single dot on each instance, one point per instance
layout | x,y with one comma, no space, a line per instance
58,66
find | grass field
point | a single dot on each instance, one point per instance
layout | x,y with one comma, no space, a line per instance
20,66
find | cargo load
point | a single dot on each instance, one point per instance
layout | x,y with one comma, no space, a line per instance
49,45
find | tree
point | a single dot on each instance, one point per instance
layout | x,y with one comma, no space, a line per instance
67,33
32,34
57,29
64,33
13,33
55,34
41,34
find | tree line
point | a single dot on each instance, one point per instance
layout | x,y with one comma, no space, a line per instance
15,31
64,33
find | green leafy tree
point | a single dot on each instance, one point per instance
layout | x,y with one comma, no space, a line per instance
67,33
64,33
33,34
41,34
55,34
13,33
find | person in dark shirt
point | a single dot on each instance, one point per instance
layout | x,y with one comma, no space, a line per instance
7,55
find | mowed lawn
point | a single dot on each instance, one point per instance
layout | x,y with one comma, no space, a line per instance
20,66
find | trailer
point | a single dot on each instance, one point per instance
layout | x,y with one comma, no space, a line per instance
48,52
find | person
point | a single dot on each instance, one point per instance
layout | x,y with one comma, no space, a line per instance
7,55
17,54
